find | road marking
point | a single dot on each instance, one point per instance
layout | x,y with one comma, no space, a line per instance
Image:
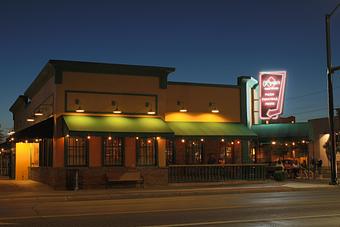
245,221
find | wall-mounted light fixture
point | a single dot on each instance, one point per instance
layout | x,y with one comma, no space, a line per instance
30,119
150,111
38,113
116,110
213,107
79,109
182,109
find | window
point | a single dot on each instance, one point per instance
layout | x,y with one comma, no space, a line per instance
146,151
76,151
170,152
46,153
113,154
194,152
226,153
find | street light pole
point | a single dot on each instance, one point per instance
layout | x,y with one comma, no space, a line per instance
330,71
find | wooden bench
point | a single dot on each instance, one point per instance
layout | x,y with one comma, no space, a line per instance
130,177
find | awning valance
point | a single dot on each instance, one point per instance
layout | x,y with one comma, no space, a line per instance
43,129
222,129
103,125
287,131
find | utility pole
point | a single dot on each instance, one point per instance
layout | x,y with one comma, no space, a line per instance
330,71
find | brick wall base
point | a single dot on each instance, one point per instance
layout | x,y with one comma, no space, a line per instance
93,177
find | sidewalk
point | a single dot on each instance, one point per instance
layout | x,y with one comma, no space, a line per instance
11,189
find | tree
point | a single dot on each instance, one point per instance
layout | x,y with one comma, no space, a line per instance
2,135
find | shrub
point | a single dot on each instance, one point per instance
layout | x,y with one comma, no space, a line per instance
279,176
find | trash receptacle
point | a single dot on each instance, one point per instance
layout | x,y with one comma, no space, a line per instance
72,179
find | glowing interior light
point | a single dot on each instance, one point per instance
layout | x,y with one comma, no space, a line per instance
158,138
273,142
293,143
238,142
137,137
67,135
109,138
232,142
303,141
202,140
88,137
149,141
222,140
183,140
36,140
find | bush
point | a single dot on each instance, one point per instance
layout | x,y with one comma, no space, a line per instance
279,176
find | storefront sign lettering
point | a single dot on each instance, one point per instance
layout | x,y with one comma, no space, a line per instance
272,88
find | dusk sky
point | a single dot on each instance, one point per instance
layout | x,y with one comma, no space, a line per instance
206,41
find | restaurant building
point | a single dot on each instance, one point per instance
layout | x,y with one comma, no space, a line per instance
94,118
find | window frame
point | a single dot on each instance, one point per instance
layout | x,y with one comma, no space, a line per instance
155,152
121,147
67,152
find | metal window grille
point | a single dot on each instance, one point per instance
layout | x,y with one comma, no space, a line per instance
46,153
113,151
77,151
194,152
146,151
170,152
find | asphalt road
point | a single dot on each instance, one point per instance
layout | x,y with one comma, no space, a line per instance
298,208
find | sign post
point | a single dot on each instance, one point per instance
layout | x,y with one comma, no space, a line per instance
272,90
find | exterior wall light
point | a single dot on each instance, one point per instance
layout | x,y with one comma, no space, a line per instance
30,119
116,110
273,142
222,140
182,108
88,137
109,138
38,113
202,140
79,109
213,107
183,140
150,111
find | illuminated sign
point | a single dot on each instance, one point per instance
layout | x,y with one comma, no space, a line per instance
272,89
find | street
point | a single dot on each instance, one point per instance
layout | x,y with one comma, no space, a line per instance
319,207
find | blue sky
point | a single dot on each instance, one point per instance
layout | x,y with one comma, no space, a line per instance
206,41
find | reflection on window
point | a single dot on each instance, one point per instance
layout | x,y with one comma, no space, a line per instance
113,151
194,152
146,151
170,152
76,151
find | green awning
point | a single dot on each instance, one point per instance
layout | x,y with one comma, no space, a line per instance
98,125
234,130
286,131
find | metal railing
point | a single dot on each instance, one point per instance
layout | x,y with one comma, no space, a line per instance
216,173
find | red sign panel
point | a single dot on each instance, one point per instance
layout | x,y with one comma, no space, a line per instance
272,88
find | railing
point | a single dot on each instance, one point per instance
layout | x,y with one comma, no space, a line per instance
215,173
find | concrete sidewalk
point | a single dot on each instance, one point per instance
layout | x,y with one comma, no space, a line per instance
12,189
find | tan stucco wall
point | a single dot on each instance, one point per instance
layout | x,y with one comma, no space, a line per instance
43,96
58,152
196,99
161,152
95,151
130,152
24,155
98,84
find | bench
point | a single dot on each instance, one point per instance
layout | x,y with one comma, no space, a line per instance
130,177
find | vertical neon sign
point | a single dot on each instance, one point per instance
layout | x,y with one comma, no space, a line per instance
272,90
